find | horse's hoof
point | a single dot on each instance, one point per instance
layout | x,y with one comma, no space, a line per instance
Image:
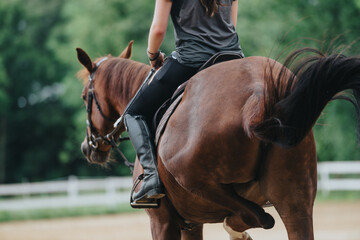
244,236
267,221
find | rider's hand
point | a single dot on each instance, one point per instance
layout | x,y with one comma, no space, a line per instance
158,62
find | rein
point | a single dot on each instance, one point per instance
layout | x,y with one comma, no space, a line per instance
95,137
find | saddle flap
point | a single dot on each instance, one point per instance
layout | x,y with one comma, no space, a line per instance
168,111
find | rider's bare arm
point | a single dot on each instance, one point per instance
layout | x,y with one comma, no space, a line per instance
158,28
234,12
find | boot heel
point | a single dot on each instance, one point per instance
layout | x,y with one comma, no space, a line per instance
157,196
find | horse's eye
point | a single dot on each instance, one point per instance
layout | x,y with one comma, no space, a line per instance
83,97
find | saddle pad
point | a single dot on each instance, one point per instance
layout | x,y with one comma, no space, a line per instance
165,118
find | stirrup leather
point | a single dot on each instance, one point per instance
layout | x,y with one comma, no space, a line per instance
146,203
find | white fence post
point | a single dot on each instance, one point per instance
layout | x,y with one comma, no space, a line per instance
111,192
24,189
323,182
73,190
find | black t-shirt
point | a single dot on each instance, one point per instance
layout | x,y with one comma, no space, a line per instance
199,36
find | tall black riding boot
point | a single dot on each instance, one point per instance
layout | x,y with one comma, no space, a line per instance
141,139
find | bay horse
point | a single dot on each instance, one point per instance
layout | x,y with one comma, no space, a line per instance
241,137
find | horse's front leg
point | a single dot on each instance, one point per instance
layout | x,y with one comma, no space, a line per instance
164,222
289,182
194,234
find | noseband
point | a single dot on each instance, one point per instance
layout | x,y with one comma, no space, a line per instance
93,137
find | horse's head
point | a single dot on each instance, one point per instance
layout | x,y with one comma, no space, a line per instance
101,114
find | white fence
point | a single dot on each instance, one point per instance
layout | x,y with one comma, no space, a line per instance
339,176
69,193
333,176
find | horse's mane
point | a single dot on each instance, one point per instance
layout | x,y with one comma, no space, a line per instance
119,74
82,75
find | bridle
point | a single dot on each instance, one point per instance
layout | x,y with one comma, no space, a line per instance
93,137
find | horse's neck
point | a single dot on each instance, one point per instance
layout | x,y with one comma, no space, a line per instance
125,86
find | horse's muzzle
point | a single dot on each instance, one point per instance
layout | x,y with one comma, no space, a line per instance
85,149
97,157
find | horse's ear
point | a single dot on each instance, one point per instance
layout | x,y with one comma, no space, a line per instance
84,59
127,51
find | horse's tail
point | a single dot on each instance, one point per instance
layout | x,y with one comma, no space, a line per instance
293,102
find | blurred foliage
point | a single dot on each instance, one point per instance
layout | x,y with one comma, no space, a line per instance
42,118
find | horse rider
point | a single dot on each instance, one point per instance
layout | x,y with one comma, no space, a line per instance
202,29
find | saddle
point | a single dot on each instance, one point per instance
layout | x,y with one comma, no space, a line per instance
163,114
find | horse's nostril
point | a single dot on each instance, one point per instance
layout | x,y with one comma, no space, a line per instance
97,157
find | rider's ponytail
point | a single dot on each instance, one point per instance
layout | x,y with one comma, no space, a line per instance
211,6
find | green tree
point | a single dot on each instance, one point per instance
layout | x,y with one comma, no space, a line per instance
34,113
4,102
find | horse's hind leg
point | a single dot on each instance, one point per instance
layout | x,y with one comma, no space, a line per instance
236,235
289,182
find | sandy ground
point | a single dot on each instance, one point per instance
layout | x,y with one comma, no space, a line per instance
332,221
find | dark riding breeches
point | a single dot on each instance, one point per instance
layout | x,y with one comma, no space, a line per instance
151,96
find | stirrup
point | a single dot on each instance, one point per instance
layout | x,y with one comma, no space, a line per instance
148,203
